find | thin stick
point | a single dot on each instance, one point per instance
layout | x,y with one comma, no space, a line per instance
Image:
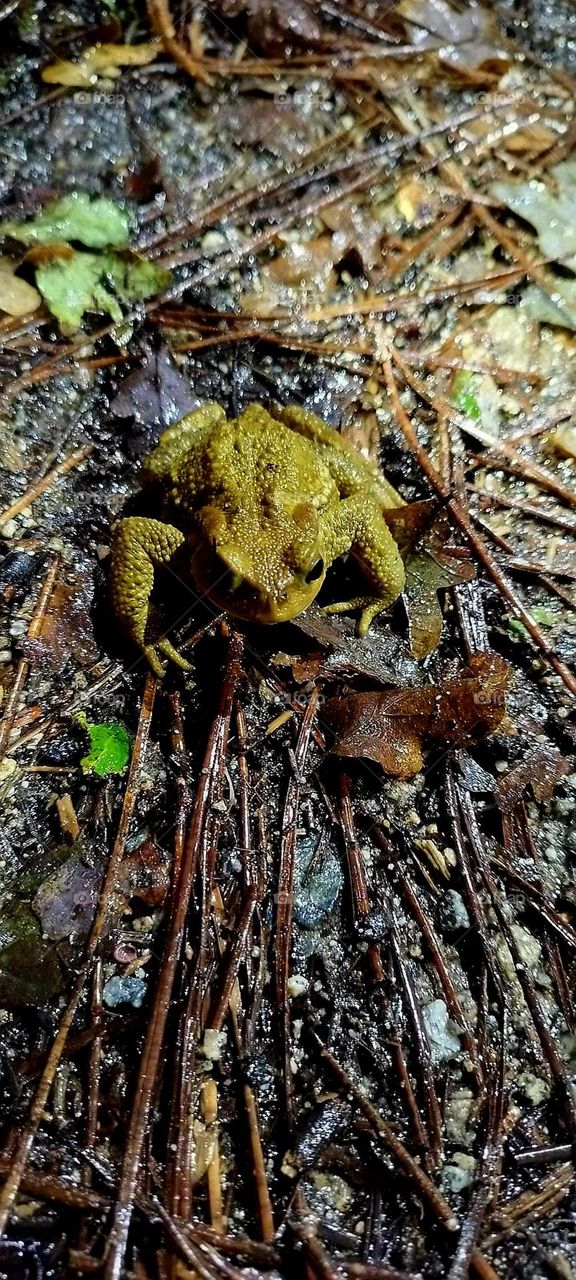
264,1203
36,621
463,521
140,1118
45,483
209,1096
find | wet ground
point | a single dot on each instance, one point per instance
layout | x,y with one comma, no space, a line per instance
266,1007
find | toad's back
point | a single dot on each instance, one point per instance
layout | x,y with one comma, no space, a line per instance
254,461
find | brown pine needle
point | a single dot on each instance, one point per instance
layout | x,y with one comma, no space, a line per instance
464,522
45,483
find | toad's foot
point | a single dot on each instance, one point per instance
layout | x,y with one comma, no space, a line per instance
152,653
138,547
369,606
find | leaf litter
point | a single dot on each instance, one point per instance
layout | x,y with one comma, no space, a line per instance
295,963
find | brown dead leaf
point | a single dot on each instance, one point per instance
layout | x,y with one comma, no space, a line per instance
146,874
272,26
433,564
67,631
300,272
41,253
356,227
533,138
393,727
262,122
309,262
542,769
471,33
563,440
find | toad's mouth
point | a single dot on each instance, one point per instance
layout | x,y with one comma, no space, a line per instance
253,605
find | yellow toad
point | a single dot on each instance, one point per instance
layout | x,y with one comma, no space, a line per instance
259,506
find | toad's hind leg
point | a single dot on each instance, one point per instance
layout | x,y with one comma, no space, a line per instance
356,524
138,546
189,433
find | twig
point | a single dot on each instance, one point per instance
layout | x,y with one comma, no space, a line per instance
144,1092
22,669
429,1192
265,1214
45,483
209,1096
286,894
463,521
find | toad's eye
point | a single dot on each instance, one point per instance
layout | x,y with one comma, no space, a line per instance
315,572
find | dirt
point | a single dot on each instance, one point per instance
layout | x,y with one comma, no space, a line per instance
311,1016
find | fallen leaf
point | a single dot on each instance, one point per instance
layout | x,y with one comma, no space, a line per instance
393,727
542,769
463,395
66,902
563,440
72,286
432,564
17,297
155,395
29,970
67,628
559,308
146,874
109,747
356,227
272,25
309,262
300,272
255,122
100,60
547,206
98,223
471,33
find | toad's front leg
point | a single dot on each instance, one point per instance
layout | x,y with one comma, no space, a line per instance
357,525
138,546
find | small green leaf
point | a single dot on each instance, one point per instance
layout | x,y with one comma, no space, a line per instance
98,223
91,282
463,393
135,278
109,748
543,616
71,286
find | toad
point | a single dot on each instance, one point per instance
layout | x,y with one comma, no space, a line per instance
254,510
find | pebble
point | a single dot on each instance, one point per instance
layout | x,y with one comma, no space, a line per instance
124,991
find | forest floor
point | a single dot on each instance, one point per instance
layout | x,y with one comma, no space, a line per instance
283,997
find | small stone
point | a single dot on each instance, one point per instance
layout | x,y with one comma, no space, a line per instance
452,911
444,1043
213,1044
131,990
297,985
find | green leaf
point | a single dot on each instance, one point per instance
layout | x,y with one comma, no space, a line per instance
71,286
135,278
549,207
93,282
463,393
558,309
98,223
109,748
